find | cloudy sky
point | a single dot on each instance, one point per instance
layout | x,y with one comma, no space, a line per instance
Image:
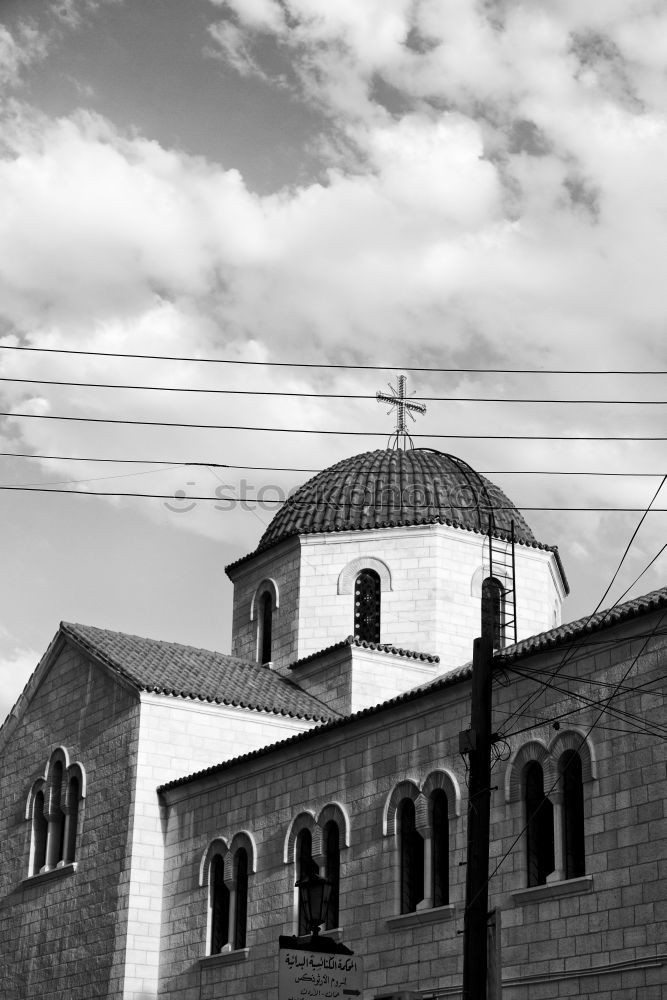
401,183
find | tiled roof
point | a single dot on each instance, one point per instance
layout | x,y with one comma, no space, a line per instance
545,640
392,486
381,647
578,629
201,674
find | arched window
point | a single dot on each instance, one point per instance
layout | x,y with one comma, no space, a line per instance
265,627
305,866
439,820
367,591
539,826
493,611
40,827
411,849
570,769
56,818
240,897
71,818
219,905
332,856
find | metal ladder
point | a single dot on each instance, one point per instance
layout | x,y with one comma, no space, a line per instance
499,563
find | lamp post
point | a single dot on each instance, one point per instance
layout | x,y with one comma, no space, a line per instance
314,895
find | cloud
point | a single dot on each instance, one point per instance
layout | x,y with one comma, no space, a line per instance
16,665
19,50
497,200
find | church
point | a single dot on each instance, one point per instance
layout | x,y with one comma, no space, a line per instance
160,802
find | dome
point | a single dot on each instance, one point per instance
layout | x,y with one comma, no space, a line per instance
391,488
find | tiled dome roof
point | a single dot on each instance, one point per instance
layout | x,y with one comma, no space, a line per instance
389,488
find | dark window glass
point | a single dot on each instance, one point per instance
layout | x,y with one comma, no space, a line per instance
573,814
411,847
304,866
332,851
266,626
539,826
440,845
56,839
219,905
40,828
493,611
241,914
367,606
73,815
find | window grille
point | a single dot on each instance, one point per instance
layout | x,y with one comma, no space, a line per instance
367,591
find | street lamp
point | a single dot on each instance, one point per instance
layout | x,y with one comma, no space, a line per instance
314,895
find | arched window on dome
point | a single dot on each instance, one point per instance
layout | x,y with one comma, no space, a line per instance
265,627
367,600
493,611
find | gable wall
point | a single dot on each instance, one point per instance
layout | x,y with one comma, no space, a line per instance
54,930
551,940
178,737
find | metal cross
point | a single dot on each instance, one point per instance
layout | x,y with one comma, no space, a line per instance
403,406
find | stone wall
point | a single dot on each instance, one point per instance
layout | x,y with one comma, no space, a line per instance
56,928
600,936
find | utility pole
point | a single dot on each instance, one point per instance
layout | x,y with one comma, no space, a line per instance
477,743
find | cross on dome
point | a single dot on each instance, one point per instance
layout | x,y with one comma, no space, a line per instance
404,406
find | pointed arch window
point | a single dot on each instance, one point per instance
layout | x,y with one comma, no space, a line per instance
367,600
493,611
574,858
411,850
540,860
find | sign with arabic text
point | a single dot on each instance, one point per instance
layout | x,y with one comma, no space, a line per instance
311,975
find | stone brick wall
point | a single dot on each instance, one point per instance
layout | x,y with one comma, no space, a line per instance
177,737
432,606
56,928
601,936
95,931
280,564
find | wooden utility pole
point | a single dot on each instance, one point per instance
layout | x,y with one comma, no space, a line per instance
477,743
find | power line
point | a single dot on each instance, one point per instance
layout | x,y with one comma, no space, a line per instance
302,430
593,725
292,503
568,655
280,468
335,395
358,367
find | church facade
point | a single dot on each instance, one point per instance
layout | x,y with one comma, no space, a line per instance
159,802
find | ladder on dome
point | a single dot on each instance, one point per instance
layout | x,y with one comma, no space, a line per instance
499,564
